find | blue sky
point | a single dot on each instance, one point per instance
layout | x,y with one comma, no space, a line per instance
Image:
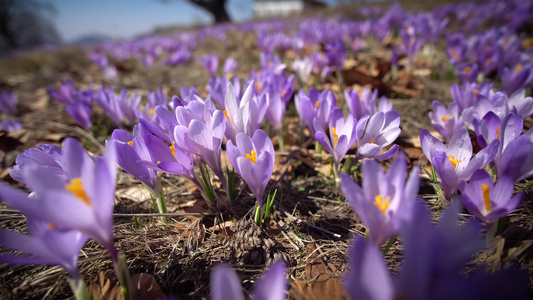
127,18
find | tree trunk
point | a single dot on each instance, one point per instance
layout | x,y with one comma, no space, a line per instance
217,8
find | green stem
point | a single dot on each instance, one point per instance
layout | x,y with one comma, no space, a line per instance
79,289
123,276
318,150
257,215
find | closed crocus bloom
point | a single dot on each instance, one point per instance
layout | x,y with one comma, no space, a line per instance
210,63
444,120
230,65
377,132
364,102
315,105
83,202
62,92
342,135
8,103
385,199
303,68
245,114
200,131
487,200
515,159
455,163
253,159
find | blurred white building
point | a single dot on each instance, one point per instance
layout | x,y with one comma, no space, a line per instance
283,8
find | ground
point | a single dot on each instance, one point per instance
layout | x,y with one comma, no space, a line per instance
312,226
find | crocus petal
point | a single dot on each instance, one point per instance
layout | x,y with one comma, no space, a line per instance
430,144
225,284
368,277
273,285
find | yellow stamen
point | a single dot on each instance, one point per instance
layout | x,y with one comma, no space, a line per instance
446,117
335,136
257,86
498,132
252,156
360,94
382,205
454,161
506,41
488,61
130,143
476,91
226,114
467,69
76,187
152,111
316,104
487,48
52,226
454,54
486,196
372,140
283,93
59,83
518,68
173,149
269,63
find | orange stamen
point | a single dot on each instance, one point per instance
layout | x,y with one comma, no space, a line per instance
76,187
252,156
382,205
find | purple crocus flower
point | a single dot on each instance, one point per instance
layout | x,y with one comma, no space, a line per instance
46,244
83,202
364,102
210,63
342,135
169,159
455,163
368,277
522,104
303,68
10,125
377,132
48,156
313,105
253,159
130,150
109,102
515,158
244,115
489,201
80,108
62,92
497,104
386,200
230,65
468,72
179,56
517,77
225,285
444,120
336,53
431,269
467,94
8,103
200,131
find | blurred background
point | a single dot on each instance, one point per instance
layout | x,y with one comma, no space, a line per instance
26,24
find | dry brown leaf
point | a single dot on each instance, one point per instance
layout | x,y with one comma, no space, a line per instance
102,289
146,287
321,278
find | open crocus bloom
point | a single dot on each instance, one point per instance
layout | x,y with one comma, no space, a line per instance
83,202
489,201
253,158
455,163
342,135
385,199
376,132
